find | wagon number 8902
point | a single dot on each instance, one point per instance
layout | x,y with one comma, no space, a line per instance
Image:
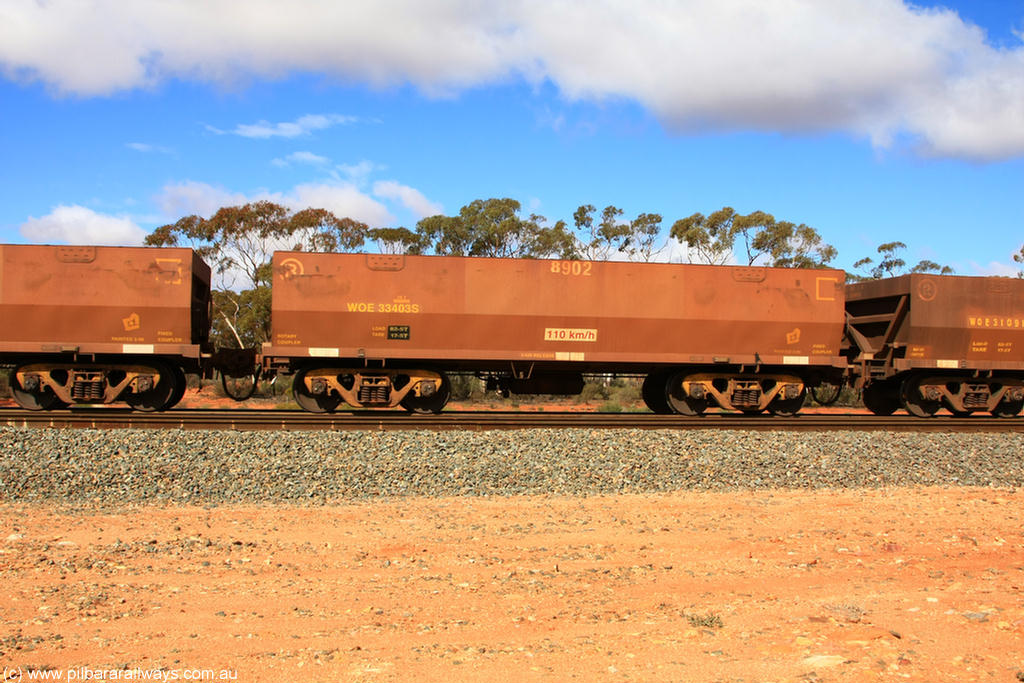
571,268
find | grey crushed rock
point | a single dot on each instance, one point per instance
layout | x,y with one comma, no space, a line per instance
112,467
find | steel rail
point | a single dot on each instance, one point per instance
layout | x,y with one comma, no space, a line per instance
292,420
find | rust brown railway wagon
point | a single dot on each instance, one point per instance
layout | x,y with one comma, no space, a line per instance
924,341
382,330
86,324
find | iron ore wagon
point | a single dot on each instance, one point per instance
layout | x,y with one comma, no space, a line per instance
922,342
386,330
85,324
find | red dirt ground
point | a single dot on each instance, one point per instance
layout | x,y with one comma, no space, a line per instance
899,584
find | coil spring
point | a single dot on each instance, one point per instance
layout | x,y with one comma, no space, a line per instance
83,390
374,394
976,400
746,397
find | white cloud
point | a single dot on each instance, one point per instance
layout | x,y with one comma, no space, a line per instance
877,68
80,225
409,197
994,268
304,125
190,197
307,158
342,199
883,69
359,173
301,158
147,148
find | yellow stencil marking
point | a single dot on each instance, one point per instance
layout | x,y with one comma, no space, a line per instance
820,290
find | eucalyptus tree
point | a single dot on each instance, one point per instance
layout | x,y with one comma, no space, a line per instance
713,239
891,264
238,242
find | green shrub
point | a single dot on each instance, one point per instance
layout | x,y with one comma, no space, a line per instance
848,397
466,387
593,391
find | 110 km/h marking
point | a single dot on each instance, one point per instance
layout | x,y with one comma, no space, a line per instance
573,334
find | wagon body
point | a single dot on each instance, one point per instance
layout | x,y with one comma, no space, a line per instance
942,321
103,300
87,324
925,341
602,316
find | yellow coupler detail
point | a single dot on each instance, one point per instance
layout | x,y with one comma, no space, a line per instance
743,393
79,383
378,388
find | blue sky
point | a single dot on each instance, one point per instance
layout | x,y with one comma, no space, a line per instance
870,120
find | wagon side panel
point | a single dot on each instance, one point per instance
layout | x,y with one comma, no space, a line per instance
606,313
944,322
102,300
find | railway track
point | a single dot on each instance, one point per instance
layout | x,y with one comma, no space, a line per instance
264,420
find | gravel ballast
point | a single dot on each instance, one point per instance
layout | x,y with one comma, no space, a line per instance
114,467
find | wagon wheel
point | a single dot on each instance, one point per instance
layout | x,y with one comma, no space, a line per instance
913,402
43,399
434,403
679,401
787,407
880,399
240,388
180,384
1008,408
653,393
309,402
826,394
160,396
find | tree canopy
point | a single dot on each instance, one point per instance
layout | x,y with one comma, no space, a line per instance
493,227
713,238
891,264
238,242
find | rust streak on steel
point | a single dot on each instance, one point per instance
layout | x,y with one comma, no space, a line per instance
251,420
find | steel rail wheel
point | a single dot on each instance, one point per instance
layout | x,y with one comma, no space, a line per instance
653,393
309,402
41,399
161,395
180,385
880,398
914,403
1008,408
680,401
787,407
434,403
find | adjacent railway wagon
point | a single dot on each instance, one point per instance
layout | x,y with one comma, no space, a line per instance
383,330
923,342
85,324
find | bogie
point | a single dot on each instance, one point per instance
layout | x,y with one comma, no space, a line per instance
323,389
149,385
